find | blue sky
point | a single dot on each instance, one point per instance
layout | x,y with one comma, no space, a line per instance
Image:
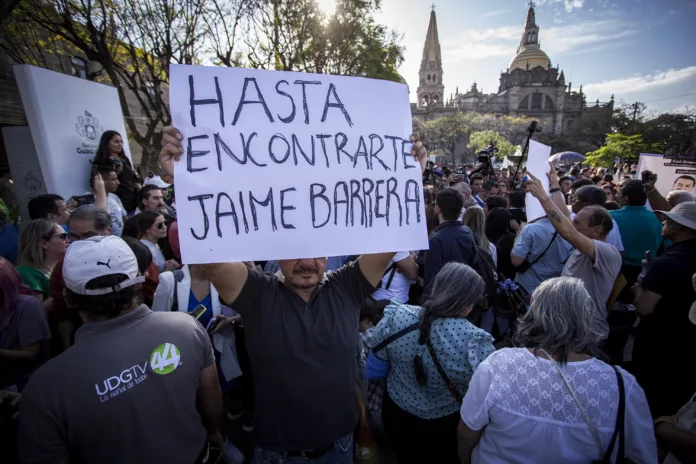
638,50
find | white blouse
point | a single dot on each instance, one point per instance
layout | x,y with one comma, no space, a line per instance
530,416
157,256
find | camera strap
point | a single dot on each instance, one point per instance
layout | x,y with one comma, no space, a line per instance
553,239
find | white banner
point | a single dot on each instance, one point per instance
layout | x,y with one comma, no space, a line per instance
538,165
285,165
67,116
672,173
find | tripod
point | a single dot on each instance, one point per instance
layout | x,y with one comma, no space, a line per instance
530,132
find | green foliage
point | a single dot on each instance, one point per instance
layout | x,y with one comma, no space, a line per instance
624,148
480,140
637,131
452,133
295,35
131,43
445,133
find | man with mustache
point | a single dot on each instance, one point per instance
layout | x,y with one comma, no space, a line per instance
301,327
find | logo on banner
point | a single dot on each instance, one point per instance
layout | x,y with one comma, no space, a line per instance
32,184
88,127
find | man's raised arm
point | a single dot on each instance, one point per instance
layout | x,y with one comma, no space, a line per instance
227,278
560,222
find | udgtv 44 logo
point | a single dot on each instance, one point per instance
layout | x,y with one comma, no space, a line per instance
164,359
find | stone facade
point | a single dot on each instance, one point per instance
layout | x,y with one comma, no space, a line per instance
530,87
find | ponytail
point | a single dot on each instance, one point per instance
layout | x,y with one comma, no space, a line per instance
426,323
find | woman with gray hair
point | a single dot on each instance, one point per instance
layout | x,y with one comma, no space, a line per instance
429,354
552,400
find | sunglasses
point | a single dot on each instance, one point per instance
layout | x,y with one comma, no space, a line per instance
161,225
62,236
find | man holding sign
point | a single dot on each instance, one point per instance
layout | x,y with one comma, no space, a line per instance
301,337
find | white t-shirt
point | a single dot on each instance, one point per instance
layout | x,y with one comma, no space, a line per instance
398,290
494,253
528,415
116,211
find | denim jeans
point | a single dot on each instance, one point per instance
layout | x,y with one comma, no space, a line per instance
341,453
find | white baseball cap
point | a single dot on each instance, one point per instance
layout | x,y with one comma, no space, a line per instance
96,257
157,181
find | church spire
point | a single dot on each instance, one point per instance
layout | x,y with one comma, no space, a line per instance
431,50
530,36
430,90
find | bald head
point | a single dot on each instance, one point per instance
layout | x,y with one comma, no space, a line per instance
679,196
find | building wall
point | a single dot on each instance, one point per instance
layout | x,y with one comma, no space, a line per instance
12,111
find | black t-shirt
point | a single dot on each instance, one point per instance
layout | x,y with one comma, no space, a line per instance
668,329
518,214
303,357
503,247
666,338
126,189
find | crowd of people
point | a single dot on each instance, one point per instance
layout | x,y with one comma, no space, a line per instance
552,340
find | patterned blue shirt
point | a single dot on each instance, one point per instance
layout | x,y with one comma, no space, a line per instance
460,347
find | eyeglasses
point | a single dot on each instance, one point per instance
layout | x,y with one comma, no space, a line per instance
62,236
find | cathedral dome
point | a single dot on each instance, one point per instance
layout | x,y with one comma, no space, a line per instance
532,56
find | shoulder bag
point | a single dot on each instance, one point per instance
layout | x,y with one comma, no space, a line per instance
620,417
445,378
526,265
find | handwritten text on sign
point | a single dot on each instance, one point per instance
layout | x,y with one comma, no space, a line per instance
284,165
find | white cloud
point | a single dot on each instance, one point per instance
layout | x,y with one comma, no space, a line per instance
494,13
476,51
568,5
640,83
559,39
478,44
497,33
571,5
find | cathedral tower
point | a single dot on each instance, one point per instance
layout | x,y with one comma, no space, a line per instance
431,90
529,53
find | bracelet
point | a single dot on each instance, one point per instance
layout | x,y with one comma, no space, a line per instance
651,191
659,420
554,190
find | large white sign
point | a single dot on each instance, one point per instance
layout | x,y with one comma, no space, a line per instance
67,116
673,173
285,165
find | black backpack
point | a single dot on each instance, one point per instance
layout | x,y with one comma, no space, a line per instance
482,263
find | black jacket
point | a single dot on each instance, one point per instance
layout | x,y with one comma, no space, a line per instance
451,242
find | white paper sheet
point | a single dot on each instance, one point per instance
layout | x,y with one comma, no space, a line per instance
322,154
538,165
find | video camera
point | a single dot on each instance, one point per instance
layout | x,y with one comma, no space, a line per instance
484,157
